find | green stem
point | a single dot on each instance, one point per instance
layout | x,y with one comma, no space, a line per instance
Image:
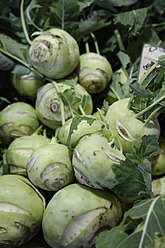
119,40
34,25
96,43
81,110
61,104
149,107
24,24
115,92
87,47
21,61
80,107
148,72
38,130
152,114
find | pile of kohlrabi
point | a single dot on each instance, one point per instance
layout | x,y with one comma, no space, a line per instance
82,141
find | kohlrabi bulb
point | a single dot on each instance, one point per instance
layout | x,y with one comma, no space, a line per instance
94,72
126,128
21,211
76,214
16,120
92,161
54,53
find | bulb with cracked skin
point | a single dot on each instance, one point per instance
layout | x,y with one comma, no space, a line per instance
54,53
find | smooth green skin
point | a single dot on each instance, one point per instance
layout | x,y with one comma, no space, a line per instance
20,150
120,112
21,210
54,53
83,128
95,72
158,161
158,186
92,162
49,167
47,97
27,85
76,213
16,120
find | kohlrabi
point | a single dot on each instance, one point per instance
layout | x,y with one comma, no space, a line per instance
16,120
94,70
49,166
54,53
76,215
19,151
80,125
21,210
26,84
92,161
126,127
56,103
131,118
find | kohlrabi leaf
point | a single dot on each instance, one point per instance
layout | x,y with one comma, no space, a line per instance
134,19
6,64
69,97
74,125
65,13
85,101
150,89
134,173
151,214
11,46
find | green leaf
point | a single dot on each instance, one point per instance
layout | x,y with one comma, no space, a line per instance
20,70
84,4
69,97
74,125
89,25
134,19
85,101
117,3
124,59
151,212
65,13
6,64
12,46
134,173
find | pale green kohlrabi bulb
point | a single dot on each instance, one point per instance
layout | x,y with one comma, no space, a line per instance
48,104
94,72
76,215
126,128
92,161
21,210
49,167
20,150
54,53
16,120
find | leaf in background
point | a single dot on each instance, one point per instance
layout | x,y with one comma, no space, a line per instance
20,70
12,47
85,101
124,58
69,97
151,212
6,64
134,173
84,4
134,19
65,14
89,25
139,90
74,125
117,3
